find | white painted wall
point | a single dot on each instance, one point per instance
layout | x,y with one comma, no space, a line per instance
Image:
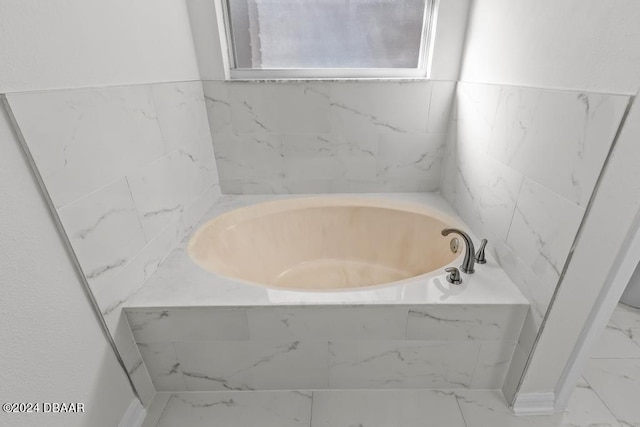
49,44
573,44
53,349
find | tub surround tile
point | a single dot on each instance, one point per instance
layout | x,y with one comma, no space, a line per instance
156,409
218,107
440,103
182,114
380,108
520,167
484,191
411,157
269,409
328,136
248,365
327,323
408,364
159,325
104,230
557,138
492,365
163,188
111,292
543,228
163,366
302,108
84,139
383,408
457,323
130,170
139,375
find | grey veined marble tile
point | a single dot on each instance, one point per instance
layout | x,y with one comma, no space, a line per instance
401,364
236,409
84,139
385,408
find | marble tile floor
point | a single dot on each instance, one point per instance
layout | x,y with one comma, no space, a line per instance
607,395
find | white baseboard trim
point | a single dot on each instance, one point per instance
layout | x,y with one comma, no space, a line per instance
534,404
134,416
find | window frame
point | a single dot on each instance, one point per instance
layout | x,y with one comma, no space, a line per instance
422,71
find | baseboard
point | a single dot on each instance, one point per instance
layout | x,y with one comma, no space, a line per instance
134,416
534,404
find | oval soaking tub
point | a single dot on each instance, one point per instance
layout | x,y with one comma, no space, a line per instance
325,243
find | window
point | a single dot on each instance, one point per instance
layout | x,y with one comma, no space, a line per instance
328,38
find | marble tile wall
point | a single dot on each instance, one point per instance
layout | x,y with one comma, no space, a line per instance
277,348
519,167
323,137
129,170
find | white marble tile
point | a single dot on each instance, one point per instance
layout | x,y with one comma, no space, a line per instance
375,323
558,138
182,114
279,107
246,365
249,157
492,365
162,364
155,409
412,157
111,292
329,157
485,190
120,331
385,408
488,408
617,383
628,320
238,409
458,323
162,189
514,373
218,106
543,229
139,375
401,364
614,343
84,139
104,230
442,96
476,106
162,325
373,108
537,291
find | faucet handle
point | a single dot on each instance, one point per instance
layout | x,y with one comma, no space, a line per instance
480,258
454,275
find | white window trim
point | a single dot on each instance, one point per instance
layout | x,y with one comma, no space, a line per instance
423,70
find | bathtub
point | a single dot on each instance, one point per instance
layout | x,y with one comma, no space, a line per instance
306,293
326,243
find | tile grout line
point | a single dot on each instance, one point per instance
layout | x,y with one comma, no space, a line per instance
464,420
164,408
313,396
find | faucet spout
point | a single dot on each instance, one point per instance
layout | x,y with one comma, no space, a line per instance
470,252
